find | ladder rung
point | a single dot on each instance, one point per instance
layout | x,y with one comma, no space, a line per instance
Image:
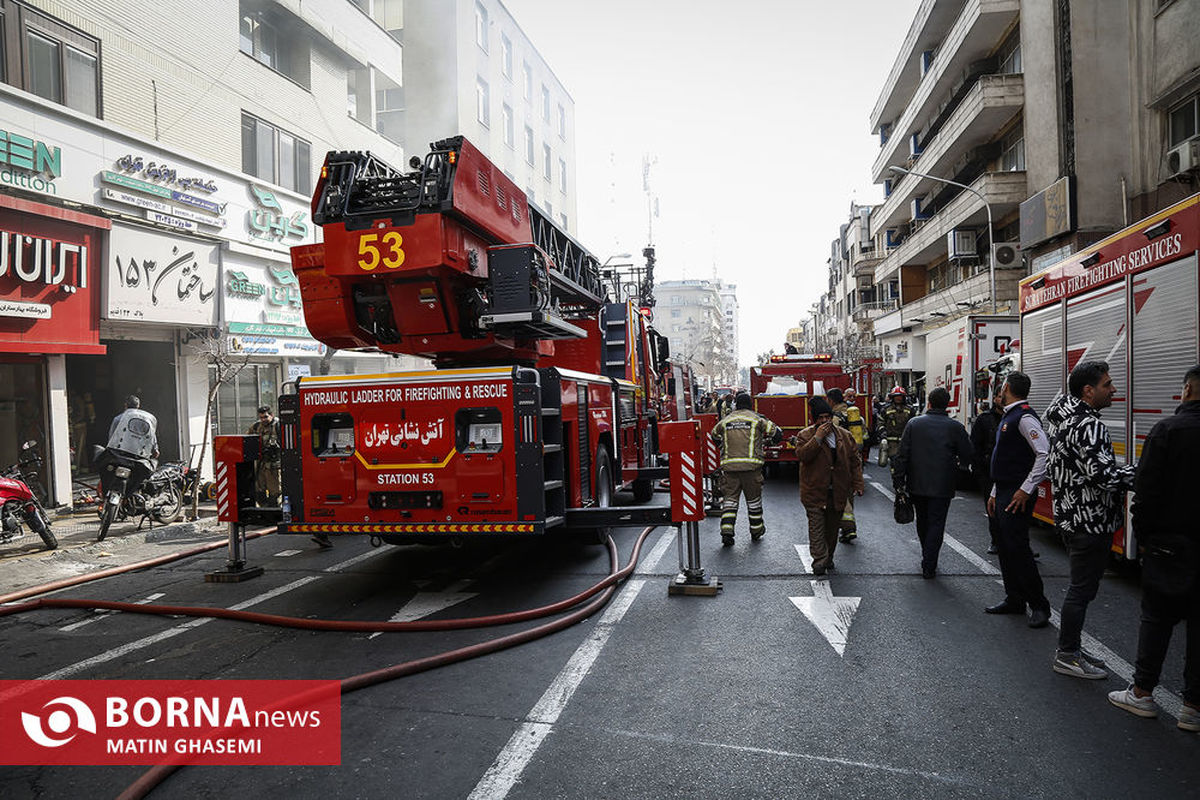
551,448
552,485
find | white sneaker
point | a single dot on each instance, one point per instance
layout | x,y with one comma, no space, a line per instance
1189,719
1141,706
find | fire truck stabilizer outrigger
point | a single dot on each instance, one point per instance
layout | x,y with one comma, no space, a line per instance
544,396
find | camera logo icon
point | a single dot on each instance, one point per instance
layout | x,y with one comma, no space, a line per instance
65,714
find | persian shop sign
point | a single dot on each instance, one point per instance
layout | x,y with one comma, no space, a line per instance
160,278
29,164
270,222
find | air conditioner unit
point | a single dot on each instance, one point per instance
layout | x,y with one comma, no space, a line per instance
960,244
894,237
1006,254
917,211
1183,158
914,145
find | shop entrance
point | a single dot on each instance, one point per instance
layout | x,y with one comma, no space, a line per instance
23,411
98,385
239,397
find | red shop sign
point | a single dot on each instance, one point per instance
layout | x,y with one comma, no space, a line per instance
49,273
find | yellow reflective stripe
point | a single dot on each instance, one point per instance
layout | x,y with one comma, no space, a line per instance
417,465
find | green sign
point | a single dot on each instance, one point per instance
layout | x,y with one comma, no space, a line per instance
25,153
268,329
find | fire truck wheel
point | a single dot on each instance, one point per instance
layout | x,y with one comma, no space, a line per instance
602,494
643,489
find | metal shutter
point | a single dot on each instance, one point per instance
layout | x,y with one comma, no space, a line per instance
1041,355
1096,331
1164,341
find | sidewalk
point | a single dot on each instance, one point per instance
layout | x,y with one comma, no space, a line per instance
26,562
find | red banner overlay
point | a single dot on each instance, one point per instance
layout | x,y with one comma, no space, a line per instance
176,722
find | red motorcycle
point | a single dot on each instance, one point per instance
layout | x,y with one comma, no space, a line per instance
18,505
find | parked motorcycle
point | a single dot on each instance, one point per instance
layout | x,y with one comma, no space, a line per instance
123,496
19,506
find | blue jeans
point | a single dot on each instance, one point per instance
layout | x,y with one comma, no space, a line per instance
930,513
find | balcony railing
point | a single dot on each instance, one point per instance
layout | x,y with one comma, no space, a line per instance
874,309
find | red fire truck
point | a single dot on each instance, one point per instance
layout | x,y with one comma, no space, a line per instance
543,398
1130,300
781,389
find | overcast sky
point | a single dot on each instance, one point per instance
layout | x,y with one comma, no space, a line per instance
757,113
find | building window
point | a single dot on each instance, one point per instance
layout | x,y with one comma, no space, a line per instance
545,103
529,145
239,397
549,209
1184,121
483,107
1010,56
1013,151
507,115
563,219
60,63
481,27
262,37
389,108
358,95
546,161
562,122
506,56
675,312
275,156
562,176
527,74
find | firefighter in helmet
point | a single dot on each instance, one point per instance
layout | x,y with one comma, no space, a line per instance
895,416
847,415
741,435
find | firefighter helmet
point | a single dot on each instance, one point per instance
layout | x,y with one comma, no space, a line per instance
899,390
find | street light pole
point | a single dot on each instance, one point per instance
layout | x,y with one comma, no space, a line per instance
986,207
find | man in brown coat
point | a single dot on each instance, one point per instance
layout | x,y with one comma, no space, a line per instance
830,471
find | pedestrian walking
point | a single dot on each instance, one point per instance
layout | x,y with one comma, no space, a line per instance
741,435
1165,508
932,449
895,416
830,472
1089,502
849,418
1018,466
983,442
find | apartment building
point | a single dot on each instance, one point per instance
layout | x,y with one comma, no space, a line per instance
692,314
157,165
470,69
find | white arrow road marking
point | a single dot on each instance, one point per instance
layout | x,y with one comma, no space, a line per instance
425,603
832,615
806,558
287,553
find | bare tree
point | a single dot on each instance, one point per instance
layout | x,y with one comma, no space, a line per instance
224,364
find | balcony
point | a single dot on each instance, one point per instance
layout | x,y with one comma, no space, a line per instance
973,36
874,310
989,104
1004,191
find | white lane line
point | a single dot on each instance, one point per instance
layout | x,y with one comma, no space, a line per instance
682,745
649,563
884,491
288,553
350,562
125,649
1168,701
506,770
74,626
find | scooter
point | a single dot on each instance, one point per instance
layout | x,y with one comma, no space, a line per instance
159,496
19,506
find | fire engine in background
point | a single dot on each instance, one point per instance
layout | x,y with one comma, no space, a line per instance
958,356
781,388
679,392
1129,300
544,397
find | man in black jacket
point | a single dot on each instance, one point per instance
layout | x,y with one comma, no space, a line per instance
1165,509
932,448
983,441
1018,466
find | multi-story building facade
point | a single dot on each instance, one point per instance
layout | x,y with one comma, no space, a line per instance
470,69
729,316
1043,127
692,315
157,165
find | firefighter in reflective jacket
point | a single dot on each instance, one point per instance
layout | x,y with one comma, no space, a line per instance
741,436
847,416
892,420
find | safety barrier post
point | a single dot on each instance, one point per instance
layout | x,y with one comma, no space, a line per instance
681,440
712,465
233,458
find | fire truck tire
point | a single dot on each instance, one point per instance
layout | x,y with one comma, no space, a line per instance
643,489
602,493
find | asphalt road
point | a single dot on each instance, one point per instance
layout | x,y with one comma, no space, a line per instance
740,695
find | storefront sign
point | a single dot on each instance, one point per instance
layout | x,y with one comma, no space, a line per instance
160,172
276,346
149,204
164,192
1047,214
298,371
283,292
267,329
269,221
49,262
29,164
155,277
